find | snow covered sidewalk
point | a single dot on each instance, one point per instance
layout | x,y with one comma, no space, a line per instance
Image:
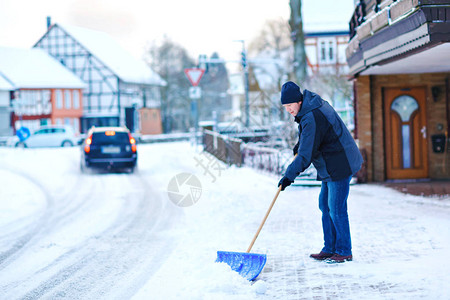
400,242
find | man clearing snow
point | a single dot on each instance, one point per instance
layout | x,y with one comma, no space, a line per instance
326,142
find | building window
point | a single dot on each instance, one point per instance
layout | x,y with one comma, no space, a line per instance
405,106
330,51
67,99
44,122
323,55
76,99
46,102
59,100
327,50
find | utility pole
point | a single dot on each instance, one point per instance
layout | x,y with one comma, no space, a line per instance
296,24
246,82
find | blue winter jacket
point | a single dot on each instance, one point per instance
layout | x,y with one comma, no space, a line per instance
325,141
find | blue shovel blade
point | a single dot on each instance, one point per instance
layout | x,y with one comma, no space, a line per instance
248,265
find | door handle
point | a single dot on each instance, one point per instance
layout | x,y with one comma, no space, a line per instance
424,132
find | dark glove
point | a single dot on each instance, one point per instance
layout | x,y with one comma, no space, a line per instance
295,150
284,182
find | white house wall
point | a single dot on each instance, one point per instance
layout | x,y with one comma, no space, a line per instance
152,96
326,54
4,98
311,53
342,43
5,128
33,102
4,113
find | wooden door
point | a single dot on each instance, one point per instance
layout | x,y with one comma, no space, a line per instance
405,133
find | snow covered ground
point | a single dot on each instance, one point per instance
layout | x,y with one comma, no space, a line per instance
64,234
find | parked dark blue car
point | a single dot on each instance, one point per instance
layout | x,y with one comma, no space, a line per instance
109,148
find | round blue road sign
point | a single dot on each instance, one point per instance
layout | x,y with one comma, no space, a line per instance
23,133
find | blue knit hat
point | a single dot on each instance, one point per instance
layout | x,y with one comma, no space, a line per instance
290,93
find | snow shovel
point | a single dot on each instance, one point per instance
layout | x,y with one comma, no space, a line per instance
247,264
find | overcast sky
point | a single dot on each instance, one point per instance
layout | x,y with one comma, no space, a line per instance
201,26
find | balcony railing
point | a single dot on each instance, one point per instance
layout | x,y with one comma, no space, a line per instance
364,10
381,13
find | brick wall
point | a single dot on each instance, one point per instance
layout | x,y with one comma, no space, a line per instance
364,119
369,90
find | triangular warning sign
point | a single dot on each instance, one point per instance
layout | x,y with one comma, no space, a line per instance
194,75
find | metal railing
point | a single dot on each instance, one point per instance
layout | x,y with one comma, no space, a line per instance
234,151
224,148
264,159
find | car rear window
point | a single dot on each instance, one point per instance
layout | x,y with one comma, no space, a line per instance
101,138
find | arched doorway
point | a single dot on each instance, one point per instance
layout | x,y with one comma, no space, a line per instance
405,133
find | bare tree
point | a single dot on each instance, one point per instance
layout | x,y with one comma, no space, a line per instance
272,55
274,35
296,23
273,46
336,89
169,60
215,85
330,85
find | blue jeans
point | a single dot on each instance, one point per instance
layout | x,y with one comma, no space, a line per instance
336,229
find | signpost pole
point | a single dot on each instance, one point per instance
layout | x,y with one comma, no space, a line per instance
194,75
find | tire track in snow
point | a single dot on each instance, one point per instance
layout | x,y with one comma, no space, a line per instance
59,209
31,230
132,251
50,221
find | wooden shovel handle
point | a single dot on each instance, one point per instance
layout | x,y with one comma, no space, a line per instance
265,217
264,220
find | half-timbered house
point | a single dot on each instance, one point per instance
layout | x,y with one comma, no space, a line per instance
118,84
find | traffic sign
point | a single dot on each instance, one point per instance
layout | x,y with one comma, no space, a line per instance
23,133
194,75
195,92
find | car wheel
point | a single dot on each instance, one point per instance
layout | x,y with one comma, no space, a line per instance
67,144
84,169
21,145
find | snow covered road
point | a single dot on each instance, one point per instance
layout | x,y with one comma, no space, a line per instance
83,233
67,235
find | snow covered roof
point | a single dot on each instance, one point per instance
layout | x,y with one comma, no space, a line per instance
326,15
34,68
112,55
5,85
